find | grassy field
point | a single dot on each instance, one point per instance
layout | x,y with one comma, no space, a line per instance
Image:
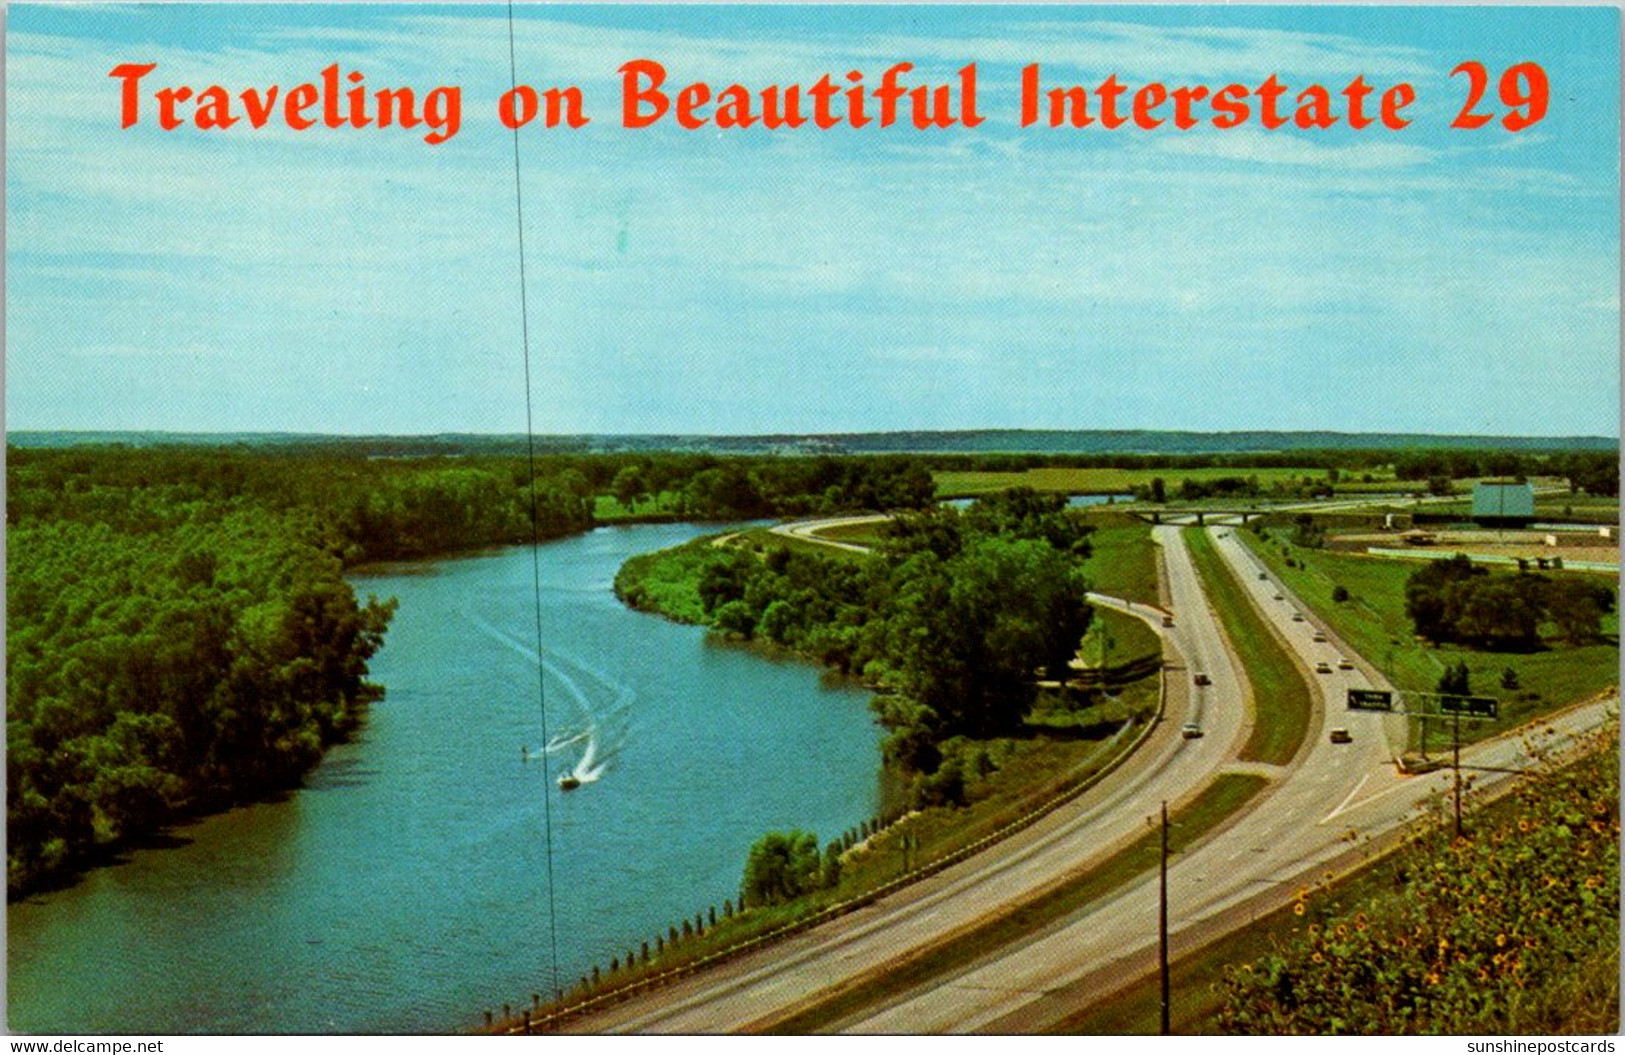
667,581
1123,560
1374,623
1216,803
606,510
952,484
1281,698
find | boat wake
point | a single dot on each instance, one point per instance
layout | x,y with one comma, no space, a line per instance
600,719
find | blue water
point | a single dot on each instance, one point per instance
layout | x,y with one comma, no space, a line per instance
405,888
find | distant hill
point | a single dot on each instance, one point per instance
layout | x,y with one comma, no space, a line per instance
989,441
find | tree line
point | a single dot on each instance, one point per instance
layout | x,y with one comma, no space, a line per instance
181,637
1458,601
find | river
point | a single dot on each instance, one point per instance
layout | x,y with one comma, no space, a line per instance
404,888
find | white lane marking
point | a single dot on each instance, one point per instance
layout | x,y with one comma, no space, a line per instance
1348,799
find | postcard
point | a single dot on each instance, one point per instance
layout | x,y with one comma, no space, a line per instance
803,519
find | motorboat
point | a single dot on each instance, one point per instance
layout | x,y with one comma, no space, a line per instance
569,782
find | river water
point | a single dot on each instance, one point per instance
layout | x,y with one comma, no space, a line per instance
404,889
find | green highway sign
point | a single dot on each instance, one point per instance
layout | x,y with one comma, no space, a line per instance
1472,706
1371,700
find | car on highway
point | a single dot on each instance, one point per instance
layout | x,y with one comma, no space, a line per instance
1263,576
1344,663
1323,667
1203,679
1320,635
1167,620
1280,597
1341,736
1297,617
1191,731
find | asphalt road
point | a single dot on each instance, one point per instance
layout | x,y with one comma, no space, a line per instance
1110,815
1330,800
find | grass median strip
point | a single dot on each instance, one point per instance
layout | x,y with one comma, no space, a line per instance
1221,799
1281,699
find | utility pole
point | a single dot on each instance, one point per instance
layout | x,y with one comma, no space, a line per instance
1163,920
1456,764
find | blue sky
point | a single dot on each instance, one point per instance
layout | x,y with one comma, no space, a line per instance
1428,279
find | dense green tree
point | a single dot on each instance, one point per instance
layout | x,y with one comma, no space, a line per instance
781,866
629,486
1456,680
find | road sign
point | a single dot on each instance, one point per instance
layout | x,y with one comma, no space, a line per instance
1371,700
1472,706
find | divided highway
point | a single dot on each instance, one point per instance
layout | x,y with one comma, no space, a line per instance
1314,812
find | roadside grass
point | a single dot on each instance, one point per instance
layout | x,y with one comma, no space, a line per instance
761,540
1282,701
866,534
1374,623
1123,560
1221,799
1130,639
961,484
1196,979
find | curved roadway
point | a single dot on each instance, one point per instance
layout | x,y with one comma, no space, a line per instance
1329,796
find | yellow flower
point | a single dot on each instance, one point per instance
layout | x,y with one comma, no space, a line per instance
1593,882
1317,958
1500,940
1342,931
1298,909
1433,978
1483,974
1523,825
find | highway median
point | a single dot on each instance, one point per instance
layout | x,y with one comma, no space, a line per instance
1282,703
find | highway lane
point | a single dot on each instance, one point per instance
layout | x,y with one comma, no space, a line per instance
738,993
1332,798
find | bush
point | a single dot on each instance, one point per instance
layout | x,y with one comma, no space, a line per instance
1513,930
781,867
